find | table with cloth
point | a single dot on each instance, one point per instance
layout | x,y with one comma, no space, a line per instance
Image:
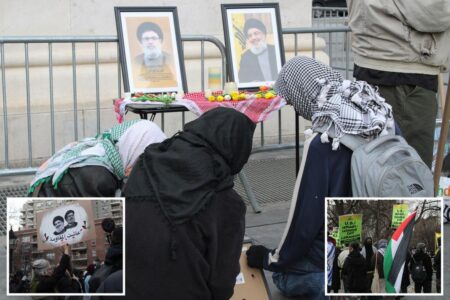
257,109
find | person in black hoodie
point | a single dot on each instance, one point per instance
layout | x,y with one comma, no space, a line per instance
355,270
422,258
185,223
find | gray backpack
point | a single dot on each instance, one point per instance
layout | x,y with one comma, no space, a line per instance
388,167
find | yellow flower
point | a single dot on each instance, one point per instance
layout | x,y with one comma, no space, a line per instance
258,95
220,98
242,96
234,94
211,98
269,95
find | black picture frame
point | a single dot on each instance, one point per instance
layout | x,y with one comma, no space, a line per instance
246,55
150,49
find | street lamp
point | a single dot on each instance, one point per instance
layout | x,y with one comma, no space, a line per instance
12,247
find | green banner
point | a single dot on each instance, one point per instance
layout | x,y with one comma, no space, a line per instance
399,214
350,228
335,236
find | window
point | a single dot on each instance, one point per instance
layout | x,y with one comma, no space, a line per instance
94,253
26,239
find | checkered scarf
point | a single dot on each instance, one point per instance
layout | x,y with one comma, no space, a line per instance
98,151
336,107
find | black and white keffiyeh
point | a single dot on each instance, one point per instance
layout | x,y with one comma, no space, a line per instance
336,107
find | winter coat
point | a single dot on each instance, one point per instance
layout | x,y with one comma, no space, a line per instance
404,36
355,271
426,261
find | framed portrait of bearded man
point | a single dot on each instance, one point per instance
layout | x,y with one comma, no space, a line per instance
151,54
254,43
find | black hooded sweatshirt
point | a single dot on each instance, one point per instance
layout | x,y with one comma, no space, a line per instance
184,222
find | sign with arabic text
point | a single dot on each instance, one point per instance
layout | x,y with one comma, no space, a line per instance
66,224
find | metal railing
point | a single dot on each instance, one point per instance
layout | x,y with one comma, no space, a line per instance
30,164
329,12
76,63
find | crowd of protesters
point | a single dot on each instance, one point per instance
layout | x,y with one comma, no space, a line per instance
64,278
357,268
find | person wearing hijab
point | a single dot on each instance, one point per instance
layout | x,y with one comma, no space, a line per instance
337,108
367,252
95,167
185,223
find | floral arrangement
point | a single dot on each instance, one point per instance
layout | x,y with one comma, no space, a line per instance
164,98
264,92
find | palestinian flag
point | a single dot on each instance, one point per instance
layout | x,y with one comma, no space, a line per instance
395,255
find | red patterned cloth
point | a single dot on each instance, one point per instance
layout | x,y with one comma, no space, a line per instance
257,110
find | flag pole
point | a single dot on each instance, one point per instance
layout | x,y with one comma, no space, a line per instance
442,139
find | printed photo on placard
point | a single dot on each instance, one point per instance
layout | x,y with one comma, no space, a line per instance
68,224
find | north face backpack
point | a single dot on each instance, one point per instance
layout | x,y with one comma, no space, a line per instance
388,167
418,272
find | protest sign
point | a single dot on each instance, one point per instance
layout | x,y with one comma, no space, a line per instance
399,214
350,228
67,224
437,235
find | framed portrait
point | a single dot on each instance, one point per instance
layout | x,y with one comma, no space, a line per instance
151,53
254,43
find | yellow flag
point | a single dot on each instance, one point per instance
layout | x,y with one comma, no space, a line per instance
239,40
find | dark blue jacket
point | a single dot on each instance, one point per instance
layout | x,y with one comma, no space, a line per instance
326,174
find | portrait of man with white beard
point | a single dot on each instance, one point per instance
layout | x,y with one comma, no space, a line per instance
153,64
258,62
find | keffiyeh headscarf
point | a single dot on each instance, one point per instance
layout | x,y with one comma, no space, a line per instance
115,149
335,106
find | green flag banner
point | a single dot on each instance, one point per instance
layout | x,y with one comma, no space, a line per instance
335,236
350,228
399,214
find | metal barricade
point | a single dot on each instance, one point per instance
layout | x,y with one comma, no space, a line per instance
339,59
30,161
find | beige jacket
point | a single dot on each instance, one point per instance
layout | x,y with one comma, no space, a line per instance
405,36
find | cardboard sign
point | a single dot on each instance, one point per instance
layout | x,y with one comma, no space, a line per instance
250,282
437,235
68,224
335,235
350,228
399,214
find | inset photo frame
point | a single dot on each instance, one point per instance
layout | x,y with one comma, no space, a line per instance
254,43
58,244
151,52
384,246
